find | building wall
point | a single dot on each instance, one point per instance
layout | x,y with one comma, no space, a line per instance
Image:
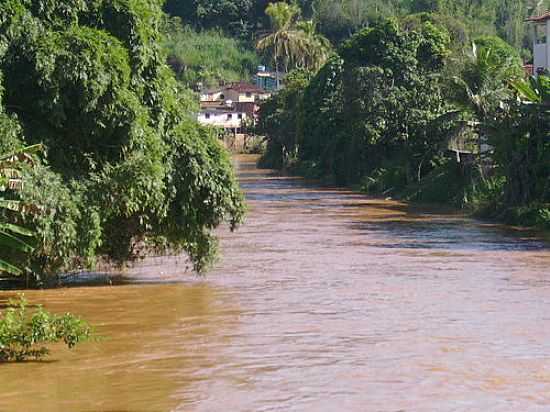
221,119
540,56
212,97
541,51
238,97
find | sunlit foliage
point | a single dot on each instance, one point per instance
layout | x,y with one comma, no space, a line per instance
126,167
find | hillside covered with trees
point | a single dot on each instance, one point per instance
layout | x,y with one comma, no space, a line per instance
338,19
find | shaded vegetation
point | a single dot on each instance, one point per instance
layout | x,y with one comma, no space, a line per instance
338,19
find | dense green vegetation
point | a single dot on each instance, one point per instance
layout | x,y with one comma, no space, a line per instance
420,99
338,19
25,334
126,166
14,239
207,57
397,106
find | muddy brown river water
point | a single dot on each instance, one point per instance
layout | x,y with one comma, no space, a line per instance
324,301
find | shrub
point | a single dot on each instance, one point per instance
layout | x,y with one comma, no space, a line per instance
24,335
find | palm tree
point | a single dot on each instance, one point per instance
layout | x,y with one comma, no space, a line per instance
535,91
318,47
13,236
283,41
482,89
483,83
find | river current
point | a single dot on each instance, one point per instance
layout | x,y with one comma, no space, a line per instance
325,300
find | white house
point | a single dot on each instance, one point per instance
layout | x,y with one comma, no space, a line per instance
541,47
223,115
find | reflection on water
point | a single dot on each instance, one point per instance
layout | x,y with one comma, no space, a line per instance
324,301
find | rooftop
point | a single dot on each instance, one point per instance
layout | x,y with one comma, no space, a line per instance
244,87
540,19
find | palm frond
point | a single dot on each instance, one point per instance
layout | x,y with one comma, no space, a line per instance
8,268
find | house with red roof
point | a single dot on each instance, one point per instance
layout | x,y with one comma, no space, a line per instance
243,92
232,106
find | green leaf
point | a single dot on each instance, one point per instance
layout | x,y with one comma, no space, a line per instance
527,91
10,241
18,230
9,268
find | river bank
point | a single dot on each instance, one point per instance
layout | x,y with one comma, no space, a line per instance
534,218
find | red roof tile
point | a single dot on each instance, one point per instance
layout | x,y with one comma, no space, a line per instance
243,87
539,19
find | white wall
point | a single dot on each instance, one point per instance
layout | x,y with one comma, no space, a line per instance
540,56
541,51
221,119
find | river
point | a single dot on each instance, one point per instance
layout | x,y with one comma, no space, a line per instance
324,300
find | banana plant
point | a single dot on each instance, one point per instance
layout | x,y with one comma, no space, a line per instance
12,236
536,90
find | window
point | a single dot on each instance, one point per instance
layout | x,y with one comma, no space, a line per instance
248,94
240,115
229,116
222,97
207,116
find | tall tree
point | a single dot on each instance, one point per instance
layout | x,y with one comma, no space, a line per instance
291,42
284,42
128,169
318,47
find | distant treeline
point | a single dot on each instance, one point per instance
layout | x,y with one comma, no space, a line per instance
338,19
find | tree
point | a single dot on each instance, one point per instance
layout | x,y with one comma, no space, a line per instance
23,335
231,16
285,42
378,99
293,42
520,135
127,169
482,86
281,120
318,47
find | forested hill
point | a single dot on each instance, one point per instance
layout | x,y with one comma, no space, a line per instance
338,19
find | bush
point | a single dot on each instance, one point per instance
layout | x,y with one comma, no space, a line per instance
535,215
385,181
24,334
